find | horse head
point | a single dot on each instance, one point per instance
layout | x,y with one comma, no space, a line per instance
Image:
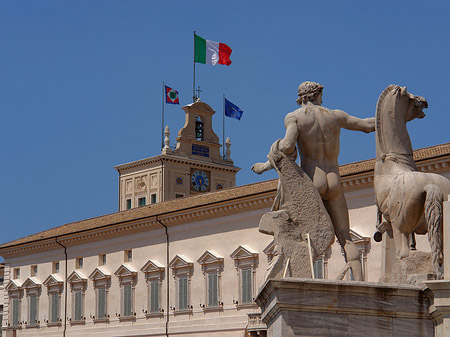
412,105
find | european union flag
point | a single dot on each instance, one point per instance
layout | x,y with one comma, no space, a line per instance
232,110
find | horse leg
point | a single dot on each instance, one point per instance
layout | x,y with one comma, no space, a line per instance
401,242
433,216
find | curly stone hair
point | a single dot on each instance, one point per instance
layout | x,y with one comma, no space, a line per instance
307,91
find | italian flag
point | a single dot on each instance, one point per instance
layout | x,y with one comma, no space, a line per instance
210,52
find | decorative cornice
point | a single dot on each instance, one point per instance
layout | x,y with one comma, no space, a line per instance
195,214
129,167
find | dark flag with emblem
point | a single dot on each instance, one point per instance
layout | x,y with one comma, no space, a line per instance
172,96
232,110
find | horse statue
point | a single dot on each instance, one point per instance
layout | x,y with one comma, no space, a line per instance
409,201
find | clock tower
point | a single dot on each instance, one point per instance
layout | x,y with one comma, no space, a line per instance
194,166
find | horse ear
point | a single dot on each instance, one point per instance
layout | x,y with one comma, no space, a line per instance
404,90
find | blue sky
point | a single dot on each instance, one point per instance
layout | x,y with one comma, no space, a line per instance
80,86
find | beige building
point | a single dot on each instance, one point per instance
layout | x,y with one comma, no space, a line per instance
186,266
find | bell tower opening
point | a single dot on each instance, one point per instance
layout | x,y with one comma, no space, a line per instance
198,128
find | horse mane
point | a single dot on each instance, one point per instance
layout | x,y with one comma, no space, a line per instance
378,115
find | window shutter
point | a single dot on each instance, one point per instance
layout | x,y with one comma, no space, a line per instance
182,293
33,309
318,268
78,306
127,300
101,302
154,296
15,310
212,290
55,308
246,286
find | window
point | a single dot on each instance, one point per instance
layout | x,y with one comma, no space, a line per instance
78,283
212,266
33,290
198,128
79,263
102,259
178,195
15,311
128,203
153,196
54,307
2,279
77,305
127,309
102,282
154,273
141,201
128,255
246,286
101,303
34,270
16,273
127,280
15,296
245,260
154,296
1,319
182,269
183,293
32,306
54,289
55,267
213,290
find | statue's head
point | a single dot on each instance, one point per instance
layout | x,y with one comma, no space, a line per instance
412,105
308,92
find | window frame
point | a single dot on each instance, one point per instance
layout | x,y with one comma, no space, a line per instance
54,286
245,258
78,283
154,273
182,268
32,290
212,263
127,277
101,281
15,292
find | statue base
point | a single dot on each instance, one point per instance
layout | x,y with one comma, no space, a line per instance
305,307
413,269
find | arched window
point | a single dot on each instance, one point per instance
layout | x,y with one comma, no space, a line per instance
198,128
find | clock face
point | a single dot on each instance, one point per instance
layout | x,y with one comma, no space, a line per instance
199,181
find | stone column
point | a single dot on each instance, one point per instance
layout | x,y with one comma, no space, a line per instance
440,307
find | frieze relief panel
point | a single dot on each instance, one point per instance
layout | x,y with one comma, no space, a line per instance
141,183
129,186
154,181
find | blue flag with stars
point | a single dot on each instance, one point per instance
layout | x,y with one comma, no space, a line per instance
232,110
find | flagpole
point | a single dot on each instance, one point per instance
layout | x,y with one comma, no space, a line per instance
162,117
223,127
193,87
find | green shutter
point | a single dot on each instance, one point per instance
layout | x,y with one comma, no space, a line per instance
246,286
154,296
15,311
127,300
101,303
200,49
55,308
33,309
183,293
78,306
212,290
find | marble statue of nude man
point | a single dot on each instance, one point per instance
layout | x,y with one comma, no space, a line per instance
315,131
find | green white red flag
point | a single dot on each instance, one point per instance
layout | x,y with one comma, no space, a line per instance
210,52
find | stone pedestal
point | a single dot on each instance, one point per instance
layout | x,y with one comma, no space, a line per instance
305,307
